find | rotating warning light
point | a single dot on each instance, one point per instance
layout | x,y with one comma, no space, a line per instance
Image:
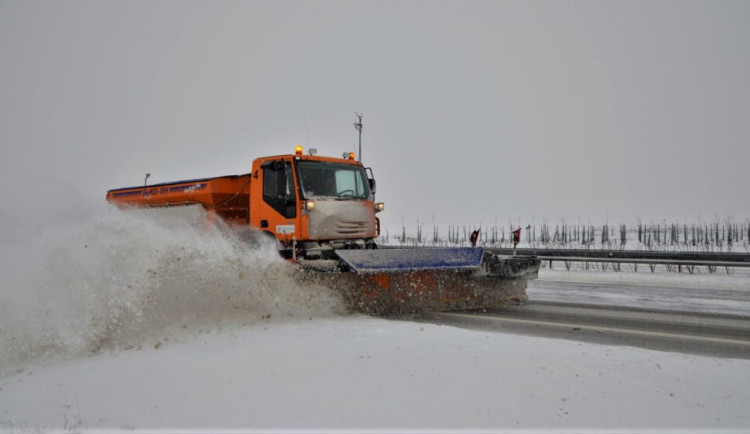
351,155
298,151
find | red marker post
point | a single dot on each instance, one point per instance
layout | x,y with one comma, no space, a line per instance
474,237
516,239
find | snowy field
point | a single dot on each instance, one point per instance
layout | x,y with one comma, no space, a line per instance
130,325
716,293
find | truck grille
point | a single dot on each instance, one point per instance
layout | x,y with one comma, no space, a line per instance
342,220
351,228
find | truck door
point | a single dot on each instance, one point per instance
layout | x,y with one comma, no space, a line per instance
277,211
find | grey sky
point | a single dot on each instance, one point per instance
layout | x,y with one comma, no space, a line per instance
474,111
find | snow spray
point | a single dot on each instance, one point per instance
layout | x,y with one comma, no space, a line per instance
125,279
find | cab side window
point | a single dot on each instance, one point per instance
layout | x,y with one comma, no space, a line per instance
278,188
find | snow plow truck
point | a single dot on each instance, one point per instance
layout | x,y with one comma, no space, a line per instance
321,212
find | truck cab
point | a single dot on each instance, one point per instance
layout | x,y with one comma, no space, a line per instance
314,204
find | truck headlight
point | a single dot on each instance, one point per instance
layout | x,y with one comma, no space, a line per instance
380,206
309,205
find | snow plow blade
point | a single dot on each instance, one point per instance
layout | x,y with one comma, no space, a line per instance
392,260
395,281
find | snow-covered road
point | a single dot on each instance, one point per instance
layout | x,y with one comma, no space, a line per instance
357,372
360,372
672,331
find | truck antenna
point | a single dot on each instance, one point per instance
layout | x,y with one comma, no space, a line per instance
358,127
145,181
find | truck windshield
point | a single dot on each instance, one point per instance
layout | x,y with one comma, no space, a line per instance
340,181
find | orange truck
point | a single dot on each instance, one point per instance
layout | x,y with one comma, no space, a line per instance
311,204
322,211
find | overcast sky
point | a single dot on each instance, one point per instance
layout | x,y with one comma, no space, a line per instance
473,111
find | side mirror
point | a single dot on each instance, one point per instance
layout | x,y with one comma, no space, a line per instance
370,179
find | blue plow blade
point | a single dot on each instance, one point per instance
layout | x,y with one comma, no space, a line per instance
453,258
